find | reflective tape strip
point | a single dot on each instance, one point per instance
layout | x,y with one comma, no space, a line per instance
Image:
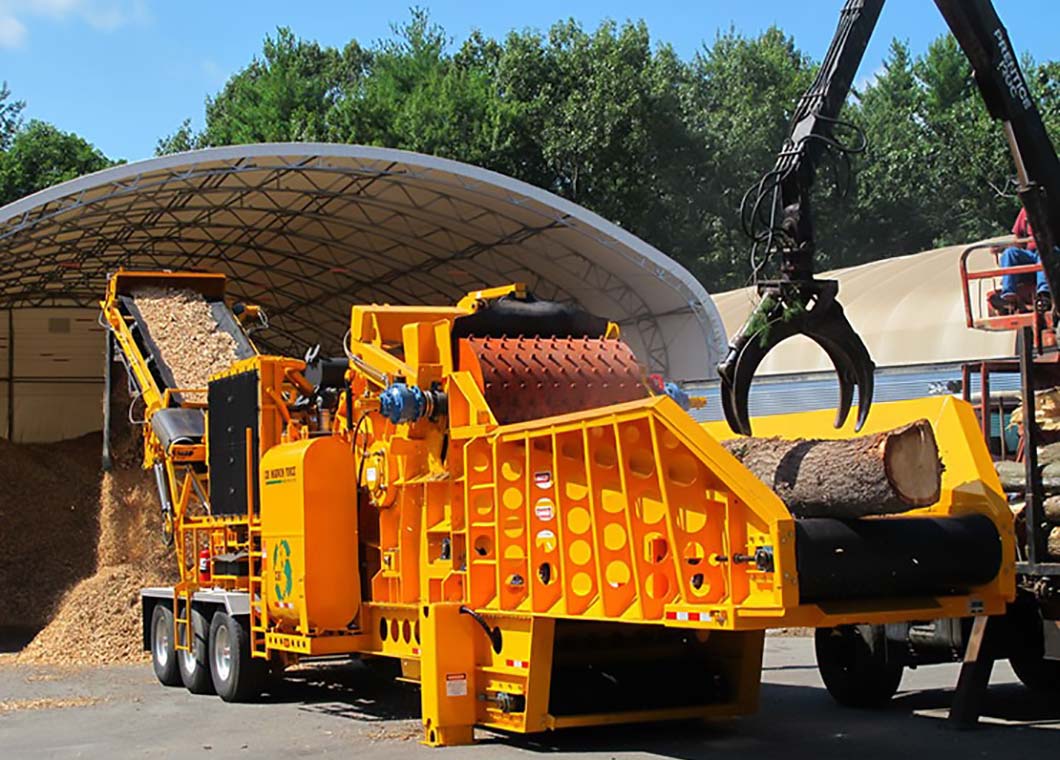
689,617
517,664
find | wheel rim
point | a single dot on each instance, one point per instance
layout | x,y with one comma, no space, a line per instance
187,660
162,631
222,653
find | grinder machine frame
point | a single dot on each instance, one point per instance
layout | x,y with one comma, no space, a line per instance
497,497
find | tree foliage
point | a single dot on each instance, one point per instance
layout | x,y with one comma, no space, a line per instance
618,122
41,155
663,146
10,116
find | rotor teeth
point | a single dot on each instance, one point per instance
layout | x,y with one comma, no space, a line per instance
530,378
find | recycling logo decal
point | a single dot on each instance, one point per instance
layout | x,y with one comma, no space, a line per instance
281,569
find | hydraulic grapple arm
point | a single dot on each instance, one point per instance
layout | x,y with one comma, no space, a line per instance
777,215
777,210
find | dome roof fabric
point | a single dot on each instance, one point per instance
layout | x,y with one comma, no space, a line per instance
307,230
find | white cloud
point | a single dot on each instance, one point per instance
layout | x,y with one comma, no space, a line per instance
103,15
12,31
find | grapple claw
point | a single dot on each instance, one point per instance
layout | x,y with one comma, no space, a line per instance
787,309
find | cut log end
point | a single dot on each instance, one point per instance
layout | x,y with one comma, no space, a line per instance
911,462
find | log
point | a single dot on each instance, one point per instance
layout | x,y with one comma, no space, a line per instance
1053,544
1049,453
880,474
1051,508
1011,475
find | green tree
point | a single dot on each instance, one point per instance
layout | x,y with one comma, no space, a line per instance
937,170
600,121
284,95
10,116
738,105
181,141
417,96
889,191
617,122
969,165
40,155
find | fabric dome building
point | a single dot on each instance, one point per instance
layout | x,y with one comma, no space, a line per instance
306,230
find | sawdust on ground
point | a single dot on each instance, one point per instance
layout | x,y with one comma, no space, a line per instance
76,545
46,703
187,335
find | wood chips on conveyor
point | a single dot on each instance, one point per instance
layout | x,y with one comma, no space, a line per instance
188,337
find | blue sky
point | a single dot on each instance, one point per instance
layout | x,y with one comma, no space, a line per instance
122,73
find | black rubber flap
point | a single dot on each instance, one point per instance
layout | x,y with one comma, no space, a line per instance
148,348
226,320
515,317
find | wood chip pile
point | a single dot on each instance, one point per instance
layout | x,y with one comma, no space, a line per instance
188,337
49,504
97,619
76,546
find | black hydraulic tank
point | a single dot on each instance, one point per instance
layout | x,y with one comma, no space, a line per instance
894,556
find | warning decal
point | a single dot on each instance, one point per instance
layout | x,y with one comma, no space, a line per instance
456,684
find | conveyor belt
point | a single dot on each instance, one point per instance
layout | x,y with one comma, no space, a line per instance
894,556
152,354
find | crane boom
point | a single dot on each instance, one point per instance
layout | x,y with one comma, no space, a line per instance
777,210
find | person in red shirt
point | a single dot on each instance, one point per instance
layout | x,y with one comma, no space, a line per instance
1022,229
1014,256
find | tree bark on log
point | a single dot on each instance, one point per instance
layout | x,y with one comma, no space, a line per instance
880,474
1013,480
1048,454
1051,507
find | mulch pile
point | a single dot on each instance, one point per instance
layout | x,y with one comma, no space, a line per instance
89,604
49,519
77,545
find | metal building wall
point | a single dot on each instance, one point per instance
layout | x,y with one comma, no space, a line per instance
50,384
784,394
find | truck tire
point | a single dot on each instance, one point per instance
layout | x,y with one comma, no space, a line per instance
855,674
1036,672
237,677
194,664
1027,646
163,653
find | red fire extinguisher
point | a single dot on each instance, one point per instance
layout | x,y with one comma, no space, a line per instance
205,575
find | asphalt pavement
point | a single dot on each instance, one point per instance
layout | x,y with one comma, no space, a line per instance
347,710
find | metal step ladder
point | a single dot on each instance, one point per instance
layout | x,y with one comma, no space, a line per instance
182,633
259,614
